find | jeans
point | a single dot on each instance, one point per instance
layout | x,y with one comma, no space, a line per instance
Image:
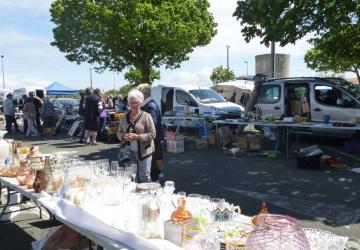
31,127
143,168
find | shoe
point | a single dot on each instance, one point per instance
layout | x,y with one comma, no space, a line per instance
81,141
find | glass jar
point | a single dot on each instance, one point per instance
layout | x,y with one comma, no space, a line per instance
150,224
277,232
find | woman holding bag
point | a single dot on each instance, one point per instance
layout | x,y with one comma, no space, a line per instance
137,128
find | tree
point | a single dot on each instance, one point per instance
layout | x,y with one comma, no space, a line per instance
134,76
337,52
288,21
141,33
330,23
221,74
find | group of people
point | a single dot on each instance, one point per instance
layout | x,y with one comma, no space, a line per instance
38,113
244,99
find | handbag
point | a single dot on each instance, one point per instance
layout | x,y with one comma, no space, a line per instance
125,152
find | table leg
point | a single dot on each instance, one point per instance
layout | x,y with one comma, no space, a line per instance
287,141
7,203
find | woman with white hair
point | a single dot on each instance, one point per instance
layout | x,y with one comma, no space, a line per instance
137,128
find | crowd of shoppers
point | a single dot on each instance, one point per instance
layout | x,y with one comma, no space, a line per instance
35,111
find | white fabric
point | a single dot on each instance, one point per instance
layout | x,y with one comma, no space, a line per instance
78,216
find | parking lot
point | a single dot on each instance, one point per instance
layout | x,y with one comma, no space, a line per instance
325,198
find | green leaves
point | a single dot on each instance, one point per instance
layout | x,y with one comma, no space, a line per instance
221,74
333,24
288,21
139,33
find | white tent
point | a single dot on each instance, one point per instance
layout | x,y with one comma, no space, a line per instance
226,89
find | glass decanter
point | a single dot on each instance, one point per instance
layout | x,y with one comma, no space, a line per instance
181,214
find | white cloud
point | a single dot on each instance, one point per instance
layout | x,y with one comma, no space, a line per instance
13,82
13,37
201,77
39,5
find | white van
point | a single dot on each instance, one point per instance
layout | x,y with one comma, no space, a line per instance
38,91
331,99
200,100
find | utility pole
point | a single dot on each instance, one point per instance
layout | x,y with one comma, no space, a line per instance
247,68
227,56
273,59
114,86
2,67
91,82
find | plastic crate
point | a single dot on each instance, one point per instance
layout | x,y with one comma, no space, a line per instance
309,162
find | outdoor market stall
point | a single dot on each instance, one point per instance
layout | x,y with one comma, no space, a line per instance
101,201
296,128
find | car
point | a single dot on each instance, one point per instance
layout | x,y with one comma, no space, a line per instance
69,105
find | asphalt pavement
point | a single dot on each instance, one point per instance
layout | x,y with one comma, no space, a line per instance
327,198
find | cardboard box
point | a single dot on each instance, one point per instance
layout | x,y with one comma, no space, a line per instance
49,131
305,107
242,142
212,139
257,143
201,143
225,141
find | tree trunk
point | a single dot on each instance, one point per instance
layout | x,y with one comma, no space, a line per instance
145,73
251,103
356,70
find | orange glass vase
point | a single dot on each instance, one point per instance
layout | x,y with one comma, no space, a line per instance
181,214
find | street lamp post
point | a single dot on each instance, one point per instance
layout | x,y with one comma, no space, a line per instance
247,68
227,56
2,67
91,82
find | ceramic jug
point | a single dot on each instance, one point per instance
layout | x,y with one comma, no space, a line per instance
224,211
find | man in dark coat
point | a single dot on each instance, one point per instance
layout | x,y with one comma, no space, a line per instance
151,107
38,103
83,96
92,117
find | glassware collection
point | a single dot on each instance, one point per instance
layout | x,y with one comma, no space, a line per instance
193,221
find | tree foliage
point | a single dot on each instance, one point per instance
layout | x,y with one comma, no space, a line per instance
134,76
287,21
141,33
221,74
337,52
332,24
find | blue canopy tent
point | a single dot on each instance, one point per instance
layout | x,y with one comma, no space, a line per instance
59,89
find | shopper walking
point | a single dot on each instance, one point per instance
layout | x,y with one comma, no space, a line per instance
48,116
92,117
37,103
137,128
151,107
30,115
9,112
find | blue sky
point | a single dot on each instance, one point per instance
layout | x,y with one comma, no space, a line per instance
26,34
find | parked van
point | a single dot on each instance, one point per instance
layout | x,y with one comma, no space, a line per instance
38,91
200,100
321,99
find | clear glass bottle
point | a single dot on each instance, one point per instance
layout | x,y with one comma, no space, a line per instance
150,224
